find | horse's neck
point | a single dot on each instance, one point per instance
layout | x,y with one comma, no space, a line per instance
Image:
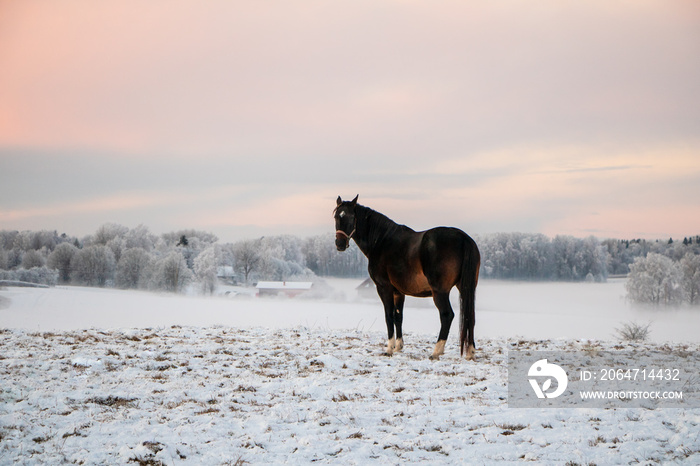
373,229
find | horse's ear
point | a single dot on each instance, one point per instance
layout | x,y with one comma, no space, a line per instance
354,201
339,201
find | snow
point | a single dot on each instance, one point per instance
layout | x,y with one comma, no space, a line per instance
99,376
285,285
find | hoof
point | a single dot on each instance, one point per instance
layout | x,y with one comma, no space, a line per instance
438,351
470,354
390,344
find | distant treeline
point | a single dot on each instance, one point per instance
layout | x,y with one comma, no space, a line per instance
117,256
525,256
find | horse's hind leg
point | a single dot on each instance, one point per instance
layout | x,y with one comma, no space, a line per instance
398,319
442,301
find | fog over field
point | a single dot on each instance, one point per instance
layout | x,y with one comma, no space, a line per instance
504,309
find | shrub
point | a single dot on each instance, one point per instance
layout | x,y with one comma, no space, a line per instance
633,331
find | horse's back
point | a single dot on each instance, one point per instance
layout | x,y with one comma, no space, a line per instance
442,252
445,241
422,263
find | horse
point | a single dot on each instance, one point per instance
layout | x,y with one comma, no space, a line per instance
406,262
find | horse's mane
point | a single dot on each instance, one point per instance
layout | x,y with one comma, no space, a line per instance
375,226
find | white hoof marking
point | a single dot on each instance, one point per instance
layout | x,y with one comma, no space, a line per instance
439,350
390,346
470,353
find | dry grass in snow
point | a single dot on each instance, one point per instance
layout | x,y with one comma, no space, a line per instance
185,395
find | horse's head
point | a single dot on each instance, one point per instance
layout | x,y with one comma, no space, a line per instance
344,215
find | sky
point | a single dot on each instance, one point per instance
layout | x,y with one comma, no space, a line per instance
249,118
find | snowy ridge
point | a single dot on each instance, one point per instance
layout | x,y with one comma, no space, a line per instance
222,395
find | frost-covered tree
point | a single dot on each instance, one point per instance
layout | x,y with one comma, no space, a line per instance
323,259
24,240
314,256
176,237
205,268
93,266
3,259
592,260
274,268
564,258
118,246
107,232
31,240
140,237
190,243
32,258
170,273
60,260
534,261
281,258
132,268
227,256
13,259
620,254
284,247
655,279
675,250
536,257
690,281
7,239
45,239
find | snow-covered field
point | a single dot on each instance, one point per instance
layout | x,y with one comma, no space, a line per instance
110,377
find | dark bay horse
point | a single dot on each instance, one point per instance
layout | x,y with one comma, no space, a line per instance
405,262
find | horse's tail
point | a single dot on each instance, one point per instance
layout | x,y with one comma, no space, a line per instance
467,294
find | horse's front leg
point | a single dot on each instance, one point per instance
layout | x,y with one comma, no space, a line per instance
442,302
387,297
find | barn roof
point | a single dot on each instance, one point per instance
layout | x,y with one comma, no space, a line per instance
368,283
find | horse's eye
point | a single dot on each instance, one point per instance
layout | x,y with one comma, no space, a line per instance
341,215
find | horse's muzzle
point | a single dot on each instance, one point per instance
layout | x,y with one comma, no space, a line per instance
342,240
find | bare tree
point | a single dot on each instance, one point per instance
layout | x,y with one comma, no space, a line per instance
247,256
